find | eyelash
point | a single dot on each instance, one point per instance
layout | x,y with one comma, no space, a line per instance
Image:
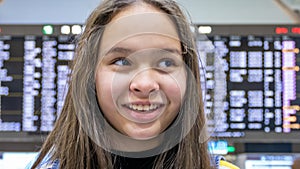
164,63
167,60
122,60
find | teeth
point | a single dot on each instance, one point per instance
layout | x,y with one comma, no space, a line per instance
140,107
143,107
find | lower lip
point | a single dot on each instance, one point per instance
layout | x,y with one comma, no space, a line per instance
143,117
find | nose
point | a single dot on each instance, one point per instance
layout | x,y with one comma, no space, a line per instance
143,83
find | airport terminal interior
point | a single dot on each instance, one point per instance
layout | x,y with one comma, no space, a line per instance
249,51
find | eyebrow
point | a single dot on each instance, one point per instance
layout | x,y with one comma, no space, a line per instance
172,50
119,50
128,50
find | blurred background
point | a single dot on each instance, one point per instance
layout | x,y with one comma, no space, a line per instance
249,49
201,11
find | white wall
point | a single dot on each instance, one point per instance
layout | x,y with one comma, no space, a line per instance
237,12
45,11
202,11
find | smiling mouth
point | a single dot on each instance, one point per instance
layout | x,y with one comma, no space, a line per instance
143,108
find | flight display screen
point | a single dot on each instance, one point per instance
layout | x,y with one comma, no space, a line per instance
251,77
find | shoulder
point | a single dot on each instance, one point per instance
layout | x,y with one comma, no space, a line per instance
227,165
221,163
46,163
49,164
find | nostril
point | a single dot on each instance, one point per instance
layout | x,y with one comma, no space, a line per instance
143,89
136,90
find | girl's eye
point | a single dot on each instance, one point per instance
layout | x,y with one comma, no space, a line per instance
166,63
121,62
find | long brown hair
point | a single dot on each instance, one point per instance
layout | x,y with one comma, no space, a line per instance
69,142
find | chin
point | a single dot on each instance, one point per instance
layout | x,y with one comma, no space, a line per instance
142,133
144,137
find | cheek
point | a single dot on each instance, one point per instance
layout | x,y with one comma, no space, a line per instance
103,85
175,88
103,82
110,86
175,93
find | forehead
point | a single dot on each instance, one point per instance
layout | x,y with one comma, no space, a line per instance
136,21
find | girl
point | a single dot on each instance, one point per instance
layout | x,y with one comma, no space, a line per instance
134,99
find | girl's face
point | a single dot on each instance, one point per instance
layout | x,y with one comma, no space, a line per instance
141,76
